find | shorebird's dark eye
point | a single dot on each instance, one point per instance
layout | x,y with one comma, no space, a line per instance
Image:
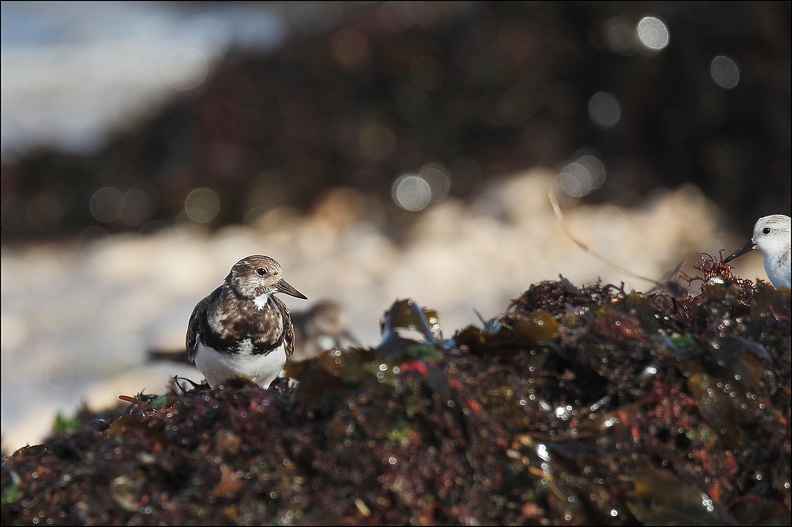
261,271
766,230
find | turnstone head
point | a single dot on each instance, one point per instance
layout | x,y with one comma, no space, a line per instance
241,328
771,237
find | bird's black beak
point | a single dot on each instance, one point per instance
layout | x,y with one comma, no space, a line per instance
748,247
284,287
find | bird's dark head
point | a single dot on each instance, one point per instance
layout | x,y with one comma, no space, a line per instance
257,277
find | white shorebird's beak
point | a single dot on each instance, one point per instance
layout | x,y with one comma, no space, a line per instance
748,247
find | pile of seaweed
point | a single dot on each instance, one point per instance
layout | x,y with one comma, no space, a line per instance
577,405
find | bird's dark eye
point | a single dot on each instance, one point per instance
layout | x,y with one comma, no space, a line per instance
261,271
766,230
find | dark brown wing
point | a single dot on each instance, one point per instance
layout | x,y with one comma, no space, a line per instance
198,322
288,338
288,327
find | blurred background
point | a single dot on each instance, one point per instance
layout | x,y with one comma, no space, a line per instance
378,150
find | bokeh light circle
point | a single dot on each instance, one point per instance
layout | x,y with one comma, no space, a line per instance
652,33
202,205
411,192
436,176
107,204
604,110
724,72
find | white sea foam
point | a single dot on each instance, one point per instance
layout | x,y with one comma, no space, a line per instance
90,312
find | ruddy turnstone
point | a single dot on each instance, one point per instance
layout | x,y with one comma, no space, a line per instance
321,327
771,237
241,328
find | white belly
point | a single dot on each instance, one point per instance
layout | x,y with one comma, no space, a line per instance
219,367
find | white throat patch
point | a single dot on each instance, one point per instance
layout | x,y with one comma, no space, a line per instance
261,300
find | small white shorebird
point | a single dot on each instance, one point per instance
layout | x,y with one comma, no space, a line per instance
771,237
